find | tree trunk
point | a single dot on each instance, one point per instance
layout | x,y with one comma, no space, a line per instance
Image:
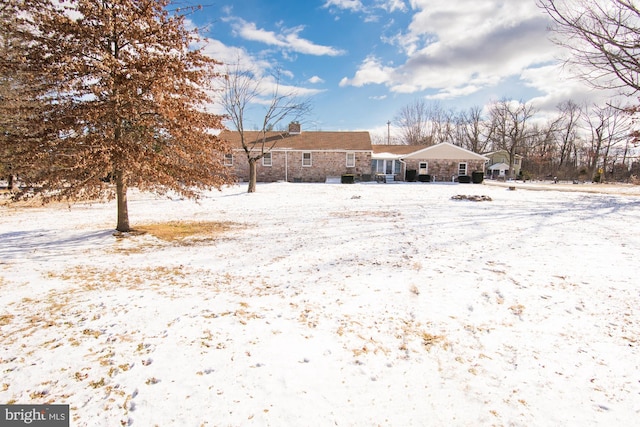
121,197
252,176
11,182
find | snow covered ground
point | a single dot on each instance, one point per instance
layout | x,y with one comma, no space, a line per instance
348,305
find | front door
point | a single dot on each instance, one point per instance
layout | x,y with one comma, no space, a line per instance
423,168
388,167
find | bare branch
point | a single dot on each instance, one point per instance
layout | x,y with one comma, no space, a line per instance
603,38
244,89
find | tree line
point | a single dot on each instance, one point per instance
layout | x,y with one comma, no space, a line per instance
576,142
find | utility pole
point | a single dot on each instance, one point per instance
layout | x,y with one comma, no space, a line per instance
388,132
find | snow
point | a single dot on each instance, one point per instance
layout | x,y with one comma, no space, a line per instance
330,304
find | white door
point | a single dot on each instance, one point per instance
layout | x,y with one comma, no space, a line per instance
423,168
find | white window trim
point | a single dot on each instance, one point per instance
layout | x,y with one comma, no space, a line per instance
426,168
265,157
352,163
228,159
310,159
466,168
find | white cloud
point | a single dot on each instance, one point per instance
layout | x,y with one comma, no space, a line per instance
358,6
315,80
352,5
232,55
452,93
288,39
372,13
371,71
393,5
458,48
558,85
261,69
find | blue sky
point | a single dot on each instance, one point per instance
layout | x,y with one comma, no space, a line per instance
361,61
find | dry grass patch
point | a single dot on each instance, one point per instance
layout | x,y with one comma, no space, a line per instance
186,231
91,278
5,319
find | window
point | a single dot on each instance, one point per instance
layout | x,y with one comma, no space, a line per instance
388,167
228,159
462,169
423,168
351,160
306,159
266,159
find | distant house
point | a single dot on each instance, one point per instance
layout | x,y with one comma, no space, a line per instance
440,162
498,166
300,156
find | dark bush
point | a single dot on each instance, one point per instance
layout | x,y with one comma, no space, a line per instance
348,179
424,178
464,179
477,177
411,175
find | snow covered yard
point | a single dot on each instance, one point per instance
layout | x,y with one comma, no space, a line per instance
325,304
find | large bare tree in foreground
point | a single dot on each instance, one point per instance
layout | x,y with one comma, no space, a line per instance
126,103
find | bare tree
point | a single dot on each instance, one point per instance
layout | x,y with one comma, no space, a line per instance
473,132
540,151
412,122
566,126
244,88
421,123
602,37
510,122
608,126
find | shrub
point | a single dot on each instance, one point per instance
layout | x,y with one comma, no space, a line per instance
348,179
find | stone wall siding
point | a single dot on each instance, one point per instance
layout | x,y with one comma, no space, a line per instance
288,165
444,170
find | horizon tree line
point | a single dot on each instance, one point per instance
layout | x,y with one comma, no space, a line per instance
584,142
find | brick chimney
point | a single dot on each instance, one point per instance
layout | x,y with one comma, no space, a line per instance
294,128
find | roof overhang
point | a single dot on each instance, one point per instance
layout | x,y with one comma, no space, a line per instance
385,156
499,167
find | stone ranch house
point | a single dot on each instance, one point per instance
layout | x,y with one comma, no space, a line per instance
440,162
295,156
301,156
